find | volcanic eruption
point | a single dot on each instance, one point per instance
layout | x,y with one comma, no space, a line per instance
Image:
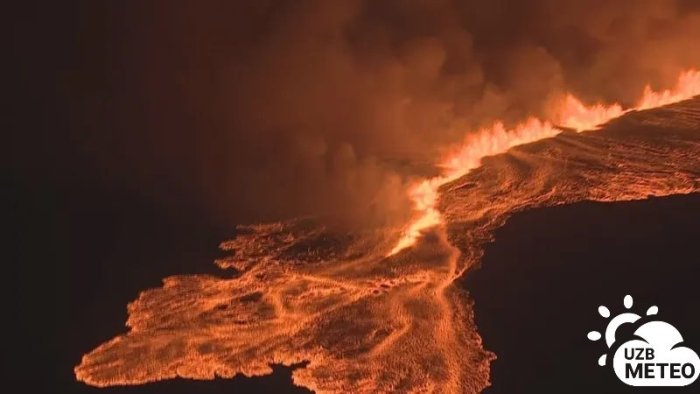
378,310
570,113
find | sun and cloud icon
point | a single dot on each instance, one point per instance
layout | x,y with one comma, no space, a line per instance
654,355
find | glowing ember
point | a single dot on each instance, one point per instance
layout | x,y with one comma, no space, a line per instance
570,113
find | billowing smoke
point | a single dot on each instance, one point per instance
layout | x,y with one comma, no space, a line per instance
269,109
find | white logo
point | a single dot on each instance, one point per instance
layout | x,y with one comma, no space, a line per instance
654,355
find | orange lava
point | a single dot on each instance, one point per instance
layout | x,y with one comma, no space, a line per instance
688,86
370,323
570,113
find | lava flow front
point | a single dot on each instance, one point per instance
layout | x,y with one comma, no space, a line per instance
368,312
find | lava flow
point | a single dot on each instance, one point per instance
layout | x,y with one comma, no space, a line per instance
570,113
370,315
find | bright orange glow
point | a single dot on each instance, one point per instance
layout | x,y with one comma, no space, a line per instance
307,292
573,114
486,142
688,86
570,113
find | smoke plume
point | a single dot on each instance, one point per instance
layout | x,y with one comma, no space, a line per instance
272,109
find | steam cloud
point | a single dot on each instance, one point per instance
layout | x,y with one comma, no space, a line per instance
271,109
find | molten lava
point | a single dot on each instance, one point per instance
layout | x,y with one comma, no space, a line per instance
688,86
486,142
367,322
570,113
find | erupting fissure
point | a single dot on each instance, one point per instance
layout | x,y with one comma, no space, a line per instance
569,113
368,323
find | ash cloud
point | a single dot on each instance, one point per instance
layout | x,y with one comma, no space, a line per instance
272,109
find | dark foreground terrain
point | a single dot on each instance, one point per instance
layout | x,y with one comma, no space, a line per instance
543,278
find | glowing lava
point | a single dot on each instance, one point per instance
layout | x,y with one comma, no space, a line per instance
486,142
368,323
570,113
688,86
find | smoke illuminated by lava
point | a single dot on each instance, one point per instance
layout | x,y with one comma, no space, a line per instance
260,111
570,113
373,315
